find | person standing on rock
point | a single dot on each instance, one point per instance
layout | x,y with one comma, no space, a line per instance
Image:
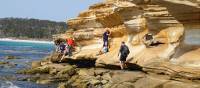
106,35
123,52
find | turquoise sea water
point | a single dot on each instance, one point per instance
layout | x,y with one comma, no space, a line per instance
25,52
24,49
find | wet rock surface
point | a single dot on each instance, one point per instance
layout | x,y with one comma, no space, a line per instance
11,57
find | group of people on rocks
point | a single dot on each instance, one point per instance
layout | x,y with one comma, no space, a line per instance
68,47
65,49
124,50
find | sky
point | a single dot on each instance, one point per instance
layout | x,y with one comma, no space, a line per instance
55,10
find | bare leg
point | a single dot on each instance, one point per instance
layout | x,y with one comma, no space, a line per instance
63,56
121,65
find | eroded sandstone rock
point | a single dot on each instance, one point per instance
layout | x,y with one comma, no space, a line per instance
129,21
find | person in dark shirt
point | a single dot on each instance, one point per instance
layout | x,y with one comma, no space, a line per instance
57,44
62,47
105,37
148,36
123,52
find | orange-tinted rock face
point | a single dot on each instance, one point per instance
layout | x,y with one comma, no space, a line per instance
129,21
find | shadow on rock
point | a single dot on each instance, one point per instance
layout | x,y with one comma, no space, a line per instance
130,67
81,63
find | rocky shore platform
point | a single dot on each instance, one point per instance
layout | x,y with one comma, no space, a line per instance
84,74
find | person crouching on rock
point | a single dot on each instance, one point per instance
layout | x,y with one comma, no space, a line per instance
64,51
123,52
68,48
62,48
57,44
106,35
148,39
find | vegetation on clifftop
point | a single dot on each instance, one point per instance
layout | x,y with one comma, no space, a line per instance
30,28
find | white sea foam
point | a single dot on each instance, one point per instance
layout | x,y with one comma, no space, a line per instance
8,84
28,41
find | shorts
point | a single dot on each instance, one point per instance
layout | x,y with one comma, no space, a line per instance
123,57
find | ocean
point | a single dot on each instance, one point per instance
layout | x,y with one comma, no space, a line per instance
25,53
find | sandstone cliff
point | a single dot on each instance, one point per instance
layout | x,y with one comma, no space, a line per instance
129,21
173,63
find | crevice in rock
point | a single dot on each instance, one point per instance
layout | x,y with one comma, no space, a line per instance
81,63
130,67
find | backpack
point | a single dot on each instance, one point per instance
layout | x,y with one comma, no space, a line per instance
126,50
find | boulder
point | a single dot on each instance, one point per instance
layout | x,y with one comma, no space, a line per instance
62,85
104,82
95,82
11,57
2,63
86,72
35,64
40,70
69,70
45,81
55,57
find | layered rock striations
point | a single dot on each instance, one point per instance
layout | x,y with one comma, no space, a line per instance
172,63
129,21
